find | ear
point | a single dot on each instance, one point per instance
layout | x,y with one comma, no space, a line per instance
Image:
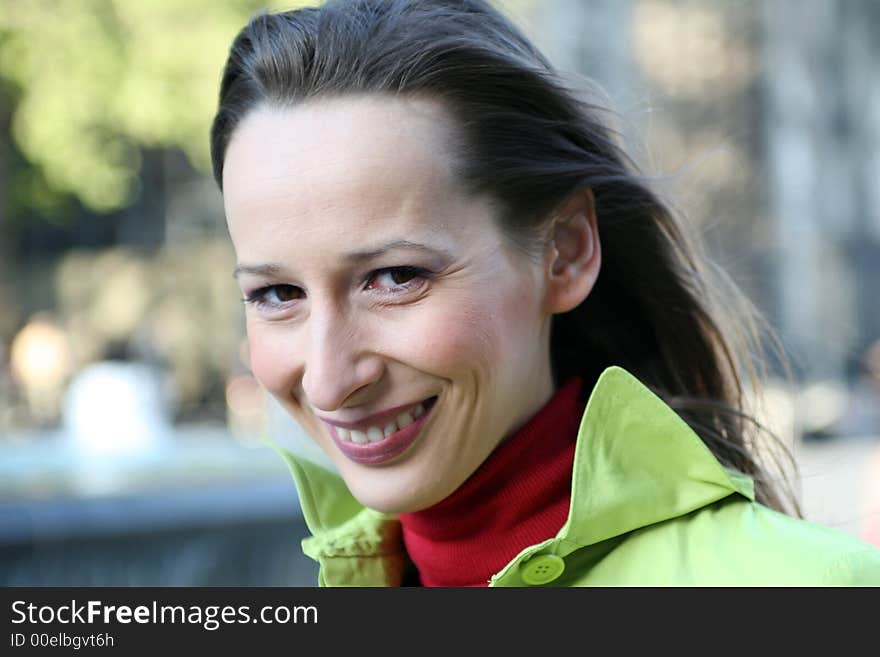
573,255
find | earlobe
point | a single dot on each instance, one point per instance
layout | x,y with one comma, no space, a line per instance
573,254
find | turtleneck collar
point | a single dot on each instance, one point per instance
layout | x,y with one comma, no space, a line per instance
518,497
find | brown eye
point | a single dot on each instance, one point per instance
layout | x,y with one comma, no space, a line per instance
394,277
402,275
274,295
285,292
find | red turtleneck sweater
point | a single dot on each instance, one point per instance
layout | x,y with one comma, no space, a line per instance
518,497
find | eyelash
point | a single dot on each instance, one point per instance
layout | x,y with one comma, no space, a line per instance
417,277
257,298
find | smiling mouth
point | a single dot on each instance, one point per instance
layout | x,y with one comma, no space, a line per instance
379,433
377,444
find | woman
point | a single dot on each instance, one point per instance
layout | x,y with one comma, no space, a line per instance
457,286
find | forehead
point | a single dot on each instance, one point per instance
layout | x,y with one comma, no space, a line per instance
325,155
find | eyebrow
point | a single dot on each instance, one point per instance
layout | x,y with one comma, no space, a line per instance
271,269
262,270
370,254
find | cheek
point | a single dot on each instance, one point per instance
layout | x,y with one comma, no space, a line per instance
273,361
454,338
491,332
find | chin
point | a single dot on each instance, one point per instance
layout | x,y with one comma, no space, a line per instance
392,501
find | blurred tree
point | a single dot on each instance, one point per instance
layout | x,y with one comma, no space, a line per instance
93,81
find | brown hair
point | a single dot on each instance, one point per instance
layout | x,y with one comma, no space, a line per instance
528,142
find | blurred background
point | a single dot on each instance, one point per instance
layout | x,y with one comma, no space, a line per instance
131,427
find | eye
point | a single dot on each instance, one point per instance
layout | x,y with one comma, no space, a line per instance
273,296
396,279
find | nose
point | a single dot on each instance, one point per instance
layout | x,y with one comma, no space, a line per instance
338,361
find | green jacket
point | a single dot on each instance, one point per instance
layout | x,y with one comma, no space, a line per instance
650,506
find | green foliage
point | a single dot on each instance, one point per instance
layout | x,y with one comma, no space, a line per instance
96,80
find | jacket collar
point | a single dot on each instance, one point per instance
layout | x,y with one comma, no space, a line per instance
636,463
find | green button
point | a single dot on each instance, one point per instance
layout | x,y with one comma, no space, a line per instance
542,569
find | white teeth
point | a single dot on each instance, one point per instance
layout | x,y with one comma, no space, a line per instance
404,419
375,434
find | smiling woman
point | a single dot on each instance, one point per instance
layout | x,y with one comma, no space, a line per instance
399,289
492,327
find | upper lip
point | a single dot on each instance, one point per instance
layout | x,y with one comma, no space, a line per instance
375,420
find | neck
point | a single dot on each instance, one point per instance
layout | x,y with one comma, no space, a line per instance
518,497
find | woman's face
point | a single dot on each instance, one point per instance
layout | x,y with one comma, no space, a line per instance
385,309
